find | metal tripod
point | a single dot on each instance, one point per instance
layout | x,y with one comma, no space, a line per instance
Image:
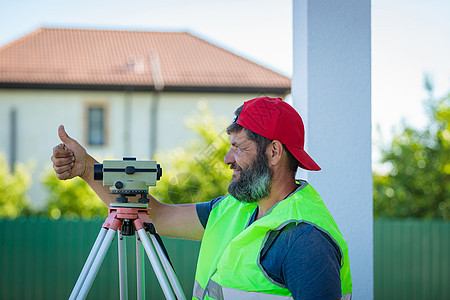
133,217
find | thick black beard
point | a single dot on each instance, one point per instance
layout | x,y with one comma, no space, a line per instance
254,182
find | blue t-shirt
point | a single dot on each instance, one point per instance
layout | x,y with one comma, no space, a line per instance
301,257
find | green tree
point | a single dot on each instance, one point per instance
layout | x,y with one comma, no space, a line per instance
13,189
418,184
197,172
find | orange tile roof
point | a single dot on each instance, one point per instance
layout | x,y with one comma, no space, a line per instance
117,59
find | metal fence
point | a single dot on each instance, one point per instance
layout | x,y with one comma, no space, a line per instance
41,259
411,259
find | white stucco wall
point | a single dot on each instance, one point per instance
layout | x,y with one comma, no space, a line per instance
40,112
331,90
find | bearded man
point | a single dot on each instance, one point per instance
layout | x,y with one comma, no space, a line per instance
272,237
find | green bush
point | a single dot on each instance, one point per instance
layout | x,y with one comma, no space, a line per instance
71,199
13,189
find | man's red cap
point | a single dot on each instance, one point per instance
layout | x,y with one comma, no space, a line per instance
277,120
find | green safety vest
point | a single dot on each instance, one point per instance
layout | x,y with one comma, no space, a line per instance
229,261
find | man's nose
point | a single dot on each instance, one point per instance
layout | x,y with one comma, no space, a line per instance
229,157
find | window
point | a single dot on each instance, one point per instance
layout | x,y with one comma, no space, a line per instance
96,125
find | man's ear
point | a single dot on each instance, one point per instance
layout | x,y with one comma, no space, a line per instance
274,152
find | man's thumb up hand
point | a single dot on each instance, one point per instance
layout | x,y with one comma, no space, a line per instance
69,158
63,136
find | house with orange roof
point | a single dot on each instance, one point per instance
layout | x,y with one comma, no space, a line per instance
119,93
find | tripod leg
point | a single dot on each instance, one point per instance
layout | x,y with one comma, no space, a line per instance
88,263
169,270
140,276
96,264
123,276
156,264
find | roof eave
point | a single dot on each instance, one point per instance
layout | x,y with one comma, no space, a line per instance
104,87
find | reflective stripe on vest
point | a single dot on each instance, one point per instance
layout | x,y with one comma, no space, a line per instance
229,259
218,292
215,291
198,292
347,296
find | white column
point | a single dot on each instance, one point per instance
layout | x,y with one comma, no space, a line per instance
331,89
